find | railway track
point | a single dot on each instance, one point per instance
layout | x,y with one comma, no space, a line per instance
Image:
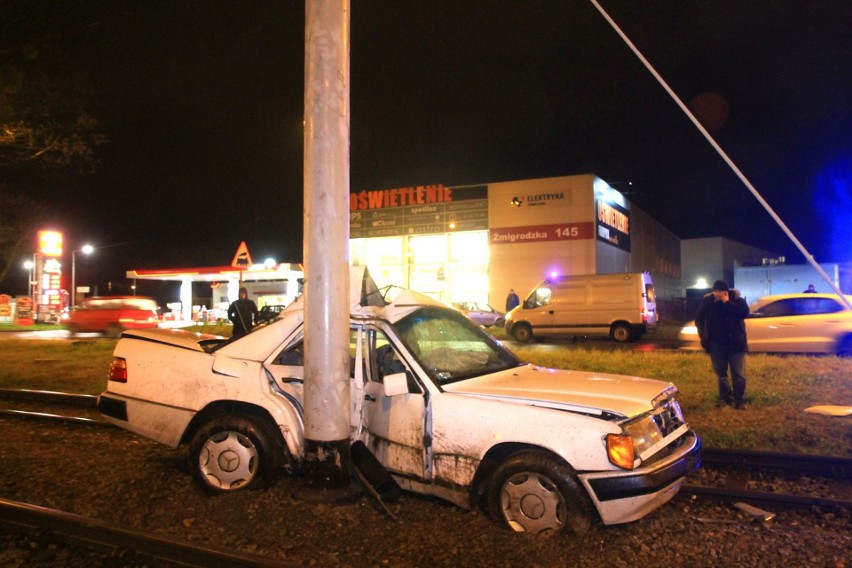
71,406
736,471
739,471
94,535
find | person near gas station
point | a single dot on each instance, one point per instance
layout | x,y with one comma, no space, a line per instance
243,314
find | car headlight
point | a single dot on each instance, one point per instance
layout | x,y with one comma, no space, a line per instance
645,433
639,437
689,330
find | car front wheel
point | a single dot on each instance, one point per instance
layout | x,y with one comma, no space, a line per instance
532,492
522,333
230,453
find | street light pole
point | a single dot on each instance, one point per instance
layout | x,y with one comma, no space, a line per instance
87,249
29,265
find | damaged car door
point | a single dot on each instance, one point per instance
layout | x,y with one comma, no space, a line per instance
394,408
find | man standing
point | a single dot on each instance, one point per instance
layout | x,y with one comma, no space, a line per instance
512,300
721,327
242,313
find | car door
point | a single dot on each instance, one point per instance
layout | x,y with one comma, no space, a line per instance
394,427
818,324
794,325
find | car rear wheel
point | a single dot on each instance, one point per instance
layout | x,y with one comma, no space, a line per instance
845,347
533,492
522,333
231,453
621,332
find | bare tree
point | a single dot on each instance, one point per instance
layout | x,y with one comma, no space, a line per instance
19,216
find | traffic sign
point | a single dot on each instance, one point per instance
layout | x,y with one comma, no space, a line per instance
242,259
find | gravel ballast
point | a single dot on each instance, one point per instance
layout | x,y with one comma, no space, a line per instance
114,476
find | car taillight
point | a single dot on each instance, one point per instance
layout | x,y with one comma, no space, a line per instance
118,370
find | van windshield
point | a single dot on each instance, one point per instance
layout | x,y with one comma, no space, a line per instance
538,297
450,348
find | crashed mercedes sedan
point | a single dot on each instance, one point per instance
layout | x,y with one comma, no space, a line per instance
444,407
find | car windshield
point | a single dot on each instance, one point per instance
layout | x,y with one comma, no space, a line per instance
450,348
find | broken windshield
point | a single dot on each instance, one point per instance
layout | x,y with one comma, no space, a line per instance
451,348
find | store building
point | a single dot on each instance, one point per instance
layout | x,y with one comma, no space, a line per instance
474,243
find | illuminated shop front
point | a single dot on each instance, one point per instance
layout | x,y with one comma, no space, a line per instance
266,284
431,239
474,243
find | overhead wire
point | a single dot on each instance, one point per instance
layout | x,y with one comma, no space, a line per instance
722,153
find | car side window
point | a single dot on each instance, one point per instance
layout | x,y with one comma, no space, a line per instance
820,306
292,357
388,361
777,309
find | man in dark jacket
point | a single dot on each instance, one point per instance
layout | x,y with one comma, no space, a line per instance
721,327
243,314
512,300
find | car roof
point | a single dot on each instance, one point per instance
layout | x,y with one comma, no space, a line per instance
804,295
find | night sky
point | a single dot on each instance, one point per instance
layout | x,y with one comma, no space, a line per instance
203,106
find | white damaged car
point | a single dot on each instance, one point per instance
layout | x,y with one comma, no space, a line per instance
445,408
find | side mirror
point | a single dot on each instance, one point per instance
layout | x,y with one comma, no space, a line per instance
396,384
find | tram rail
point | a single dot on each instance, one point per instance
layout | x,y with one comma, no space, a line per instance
739,464
90,533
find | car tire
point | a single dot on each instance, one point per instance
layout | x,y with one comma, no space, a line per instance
73,328
621,333
113,331
533,492
522,333
231,453
500,323
844,348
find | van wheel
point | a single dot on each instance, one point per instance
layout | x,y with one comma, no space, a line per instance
532,492
522,333
230,453
621,332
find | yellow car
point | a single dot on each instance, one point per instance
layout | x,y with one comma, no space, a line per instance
792,323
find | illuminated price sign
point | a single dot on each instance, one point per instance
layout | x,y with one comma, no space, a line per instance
50,243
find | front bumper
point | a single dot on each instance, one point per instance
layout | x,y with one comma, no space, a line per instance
624,496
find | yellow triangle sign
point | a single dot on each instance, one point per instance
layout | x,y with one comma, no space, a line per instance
242,259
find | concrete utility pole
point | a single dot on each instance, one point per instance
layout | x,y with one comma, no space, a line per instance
327,395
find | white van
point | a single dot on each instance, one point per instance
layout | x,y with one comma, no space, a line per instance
621,306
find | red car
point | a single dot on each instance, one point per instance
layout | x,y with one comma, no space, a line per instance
111,315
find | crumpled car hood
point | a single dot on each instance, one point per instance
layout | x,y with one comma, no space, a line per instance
572,390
